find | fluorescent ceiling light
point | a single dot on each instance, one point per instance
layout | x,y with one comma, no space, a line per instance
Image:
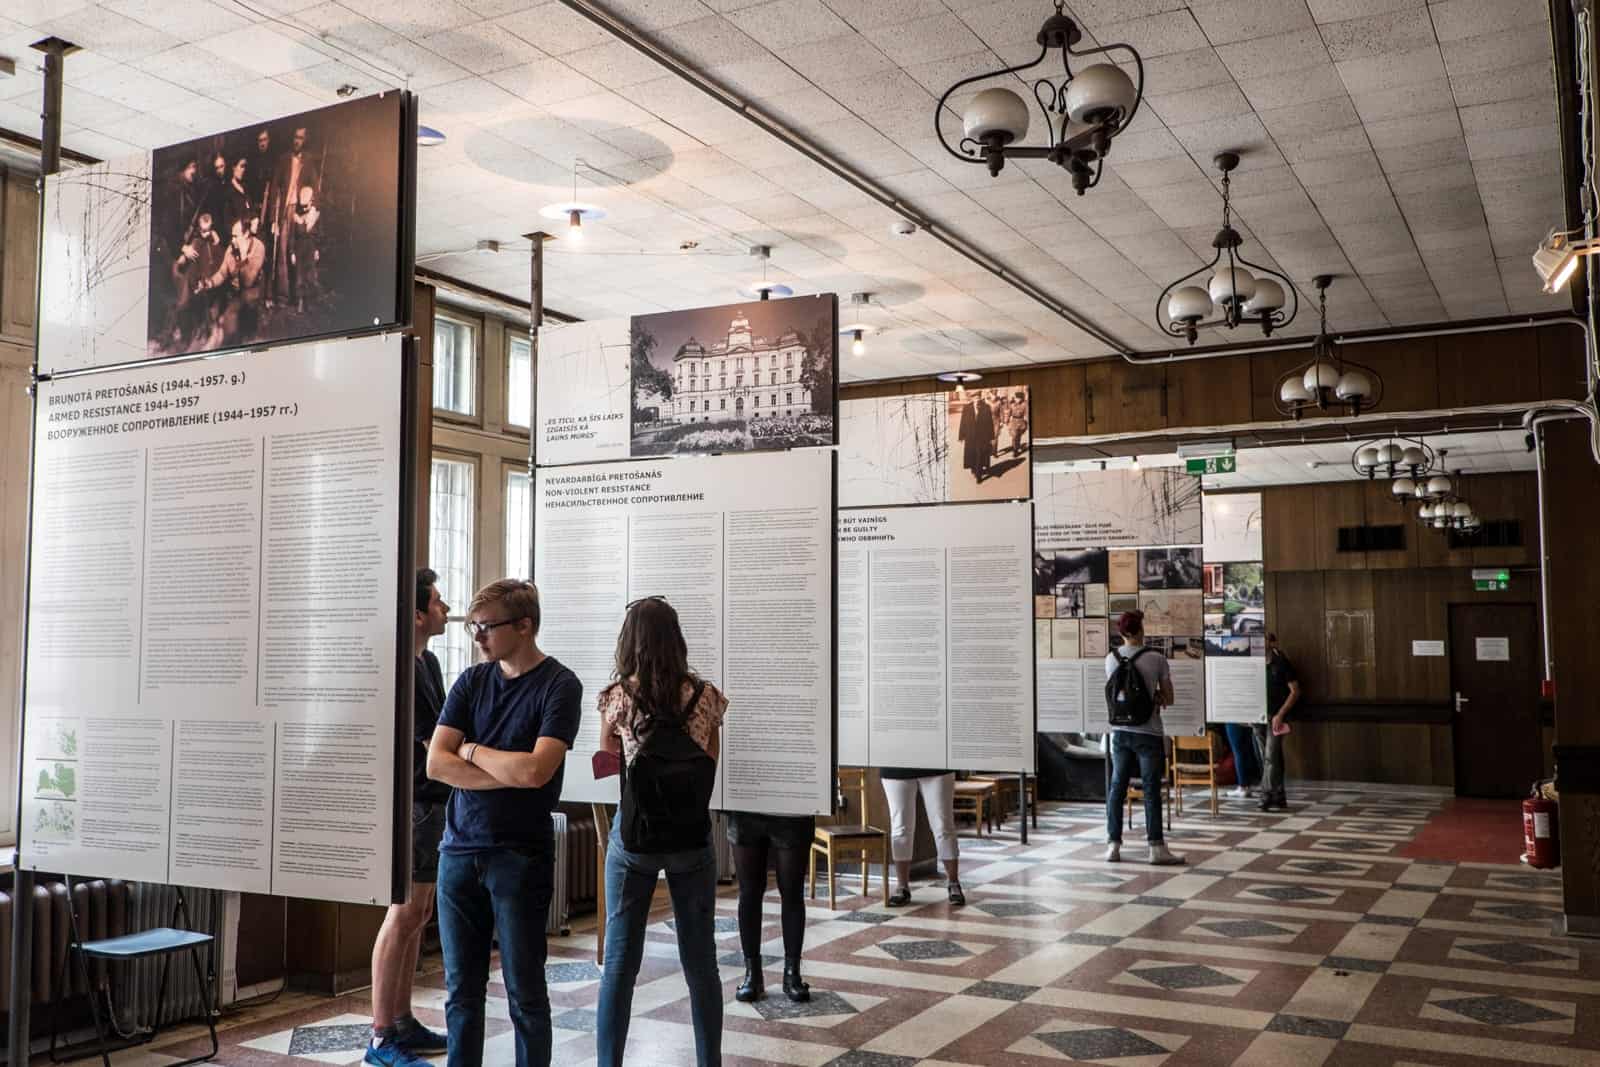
1204,449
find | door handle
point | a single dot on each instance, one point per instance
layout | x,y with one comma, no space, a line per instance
1460,700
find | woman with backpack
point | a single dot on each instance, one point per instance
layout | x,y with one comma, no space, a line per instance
1138,686
665,725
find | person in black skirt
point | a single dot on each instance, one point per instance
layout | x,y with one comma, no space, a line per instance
782,840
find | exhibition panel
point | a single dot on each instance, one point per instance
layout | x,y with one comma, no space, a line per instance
742,547
935,653
290,229
228,533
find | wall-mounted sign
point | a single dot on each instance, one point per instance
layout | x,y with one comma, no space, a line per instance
1212,465
1491,579
1427,648
1494,649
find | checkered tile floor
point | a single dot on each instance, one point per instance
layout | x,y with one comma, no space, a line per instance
1289,939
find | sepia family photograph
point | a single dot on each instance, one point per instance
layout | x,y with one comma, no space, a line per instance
280,230
736,378
990,444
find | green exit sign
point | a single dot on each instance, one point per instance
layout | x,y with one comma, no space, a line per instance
1491,579
1213,465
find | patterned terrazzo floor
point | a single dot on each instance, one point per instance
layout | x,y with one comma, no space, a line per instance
1289,939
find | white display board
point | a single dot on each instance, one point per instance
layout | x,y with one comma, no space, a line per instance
1236,688
936,637
742,547
212,660
1232,527
1071,691
1118,508
584,391
94,273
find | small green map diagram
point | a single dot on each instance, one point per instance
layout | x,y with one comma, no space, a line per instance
58,781
55,820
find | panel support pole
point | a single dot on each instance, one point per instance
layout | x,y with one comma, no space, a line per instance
535,320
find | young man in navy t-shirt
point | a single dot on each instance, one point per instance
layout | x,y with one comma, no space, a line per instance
501,742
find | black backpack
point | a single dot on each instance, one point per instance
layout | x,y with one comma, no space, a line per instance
666,793
1129,701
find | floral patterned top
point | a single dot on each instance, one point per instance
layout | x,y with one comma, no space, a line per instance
619,715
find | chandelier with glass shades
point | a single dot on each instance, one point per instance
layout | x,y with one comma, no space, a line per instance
1404,461
1083,111
1238,292
1444,506
1328,381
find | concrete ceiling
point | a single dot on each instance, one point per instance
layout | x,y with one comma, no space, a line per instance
1410,148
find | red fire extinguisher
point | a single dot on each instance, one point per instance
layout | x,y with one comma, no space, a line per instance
1541,842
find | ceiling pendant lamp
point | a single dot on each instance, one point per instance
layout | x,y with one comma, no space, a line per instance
858,329
1328,381
575,212
1236,292
1083,113
1400,459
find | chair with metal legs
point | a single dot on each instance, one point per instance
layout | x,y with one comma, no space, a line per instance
161,941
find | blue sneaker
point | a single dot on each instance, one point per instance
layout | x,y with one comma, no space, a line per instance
416,1038
391,1053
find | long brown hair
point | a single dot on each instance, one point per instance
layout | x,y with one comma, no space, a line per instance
653,658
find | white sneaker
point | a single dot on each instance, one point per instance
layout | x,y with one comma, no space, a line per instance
1162,856
1114,852
1238,792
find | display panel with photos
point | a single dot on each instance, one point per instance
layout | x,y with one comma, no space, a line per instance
293,228
1170,568
934,448
736,378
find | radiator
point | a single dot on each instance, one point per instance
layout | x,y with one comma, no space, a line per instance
140,1001
560,901
582,852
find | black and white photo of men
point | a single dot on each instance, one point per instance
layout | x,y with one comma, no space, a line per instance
990,448
306,210
1170,568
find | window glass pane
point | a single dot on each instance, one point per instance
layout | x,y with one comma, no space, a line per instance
519,384
450,519
454,371
519,524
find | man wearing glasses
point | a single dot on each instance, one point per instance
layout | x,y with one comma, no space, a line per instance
501,742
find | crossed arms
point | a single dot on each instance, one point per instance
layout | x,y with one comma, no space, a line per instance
475,766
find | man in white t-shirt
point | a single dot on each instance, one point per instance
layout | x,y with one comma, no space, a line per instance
1143,744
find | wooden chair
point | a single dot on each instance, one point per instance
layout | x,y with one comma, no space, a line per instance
975,797
1136,787
1006,798
856,839
1192,771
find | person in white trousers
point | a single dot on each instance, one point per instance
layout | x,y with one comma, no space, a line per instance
938,789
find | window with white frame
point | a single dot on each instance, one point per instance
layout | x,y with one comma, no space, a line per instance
455,377
451,515
519,384
519,524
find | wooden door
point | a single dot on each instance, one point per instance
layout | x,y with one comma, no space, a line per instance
1494,673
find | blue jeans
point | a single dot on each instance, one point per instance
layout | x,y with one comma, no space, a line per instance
483,897
630,886
1149,752
1246,766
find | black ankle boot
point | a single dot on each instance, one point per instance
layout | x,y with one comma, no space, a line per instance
793,988
754,985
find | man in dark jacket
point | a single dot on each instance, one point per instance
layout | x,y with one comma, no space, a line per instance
398,1039
976,433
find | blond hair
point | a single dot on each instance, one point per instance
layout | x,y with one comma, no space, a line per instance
521,599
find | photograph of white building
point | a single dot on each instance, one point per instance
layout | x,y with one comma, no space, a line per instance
739,376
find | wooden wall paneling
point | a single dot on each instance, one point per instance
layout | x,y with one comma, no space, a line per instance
1124,398
1210,392
1561,359
1350,636
1409,368
1265,370
1337,504
1382,509
1488,368
1288,528
1298,598
1409,606
1057,397
1394,753
1507,496
19,256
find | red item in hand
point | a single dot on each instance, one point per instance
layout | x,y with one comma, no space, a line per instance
1279,729
606,764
